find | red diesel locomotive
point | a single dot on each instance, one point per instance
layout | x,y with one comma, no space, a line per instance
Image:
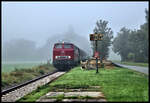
67,55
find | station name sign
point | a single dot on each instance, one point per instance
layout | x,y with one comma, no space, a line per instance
94,37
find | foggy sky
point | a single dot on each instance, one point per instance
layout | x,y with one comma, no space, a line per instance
38,21
30,29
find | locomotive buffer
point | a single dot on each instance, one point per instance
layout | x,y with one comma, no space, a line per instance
96,37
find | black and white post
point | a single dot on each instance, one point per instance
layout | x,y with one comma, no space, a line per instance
96,58
96,37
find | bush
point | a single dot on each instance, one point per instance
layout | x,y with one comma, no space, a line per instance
27,76
4,83
131,56
16,74
29,70
41,71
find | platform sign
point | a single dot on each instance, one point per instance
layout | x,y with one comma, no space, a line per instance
91,37
96,55
94,37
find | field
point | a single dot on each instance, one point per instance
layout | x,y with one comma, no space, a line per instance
117,84
10,66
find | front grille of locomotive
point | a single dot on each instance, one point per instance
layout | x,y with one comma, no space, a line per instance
62,57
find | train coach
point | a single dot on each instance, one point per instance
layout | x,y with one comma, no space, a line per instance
67,55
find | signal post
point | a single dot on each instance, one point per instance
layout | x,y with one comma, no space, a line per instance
96,37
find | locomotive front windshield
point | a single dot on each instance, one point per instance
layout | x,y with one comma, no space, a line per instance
58,46
67,46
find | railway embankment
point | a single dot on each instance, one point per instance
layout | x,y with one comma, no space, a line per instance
20,75
13,94
110,84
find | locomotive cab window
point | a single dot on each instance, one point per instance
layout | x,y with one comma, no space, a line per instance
58,46
67,46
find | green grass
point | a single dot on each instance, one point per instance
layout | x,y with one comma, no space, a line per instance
134,64
118,84
9,67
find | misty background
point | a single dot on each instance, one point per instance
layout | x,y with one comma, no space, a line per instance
29,29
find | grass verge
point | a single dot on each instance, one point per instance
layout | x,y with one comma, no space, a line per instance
21,75
118,84
133,63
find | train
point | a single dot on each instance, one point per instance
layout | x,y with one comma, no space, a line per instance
67,55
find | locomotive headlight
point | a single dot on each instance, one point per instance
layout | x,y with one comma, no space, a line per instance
69,57
56,57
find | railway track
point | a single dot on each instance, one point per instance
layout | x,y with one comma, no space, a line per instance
14,93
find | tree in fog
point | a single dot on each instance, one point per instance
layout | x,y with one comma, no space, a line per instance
144,30
132,45
20,49
121,43
139,41
103,46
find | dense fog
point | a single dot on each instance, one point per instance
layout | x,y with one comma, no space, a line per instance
27,50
